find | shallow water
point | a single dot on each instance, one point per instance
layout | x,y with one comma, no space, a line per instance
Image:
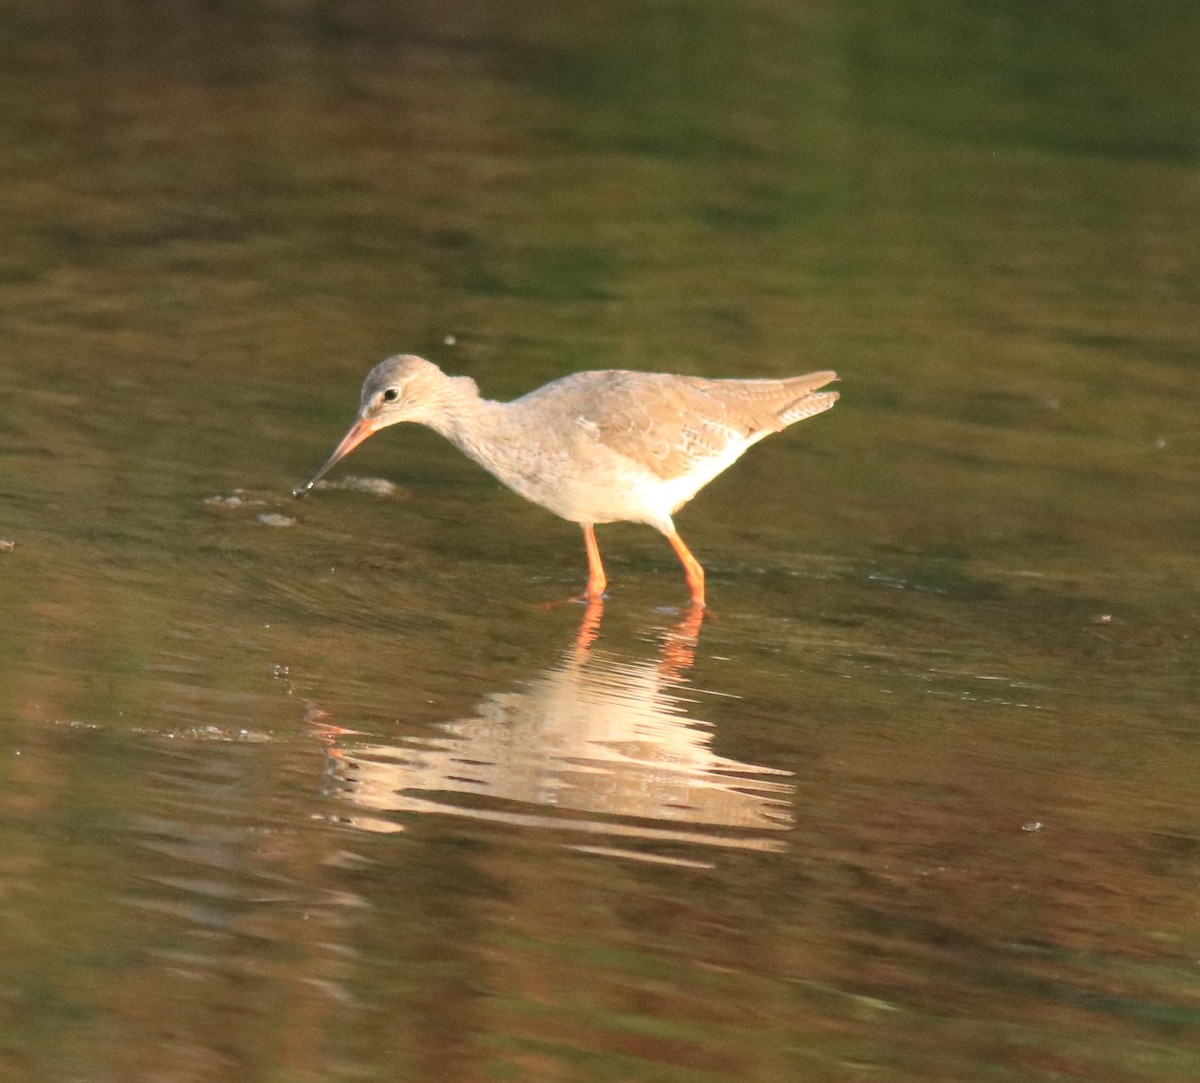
322,790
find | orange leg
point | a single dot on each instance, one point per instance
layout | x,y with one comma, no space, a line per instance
691,568
596,578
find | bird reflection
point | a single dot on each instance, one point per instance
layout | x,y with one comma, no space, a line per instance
596,745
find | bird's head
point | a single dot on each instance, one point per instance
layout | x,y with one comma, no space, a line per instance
402,388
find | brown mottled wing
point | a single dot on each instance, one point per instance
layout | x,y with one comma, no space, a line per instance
669,424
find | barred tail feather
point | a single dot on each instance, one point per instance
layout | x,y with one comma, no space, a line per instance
808,406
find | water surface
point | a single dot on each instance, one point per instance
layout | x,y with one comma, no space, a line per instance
323,791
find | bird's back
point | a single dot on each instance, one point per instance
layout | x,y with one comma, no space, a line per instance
668,424
614,445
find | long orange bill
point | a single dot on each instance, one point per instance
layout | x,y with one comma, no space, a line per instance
359,431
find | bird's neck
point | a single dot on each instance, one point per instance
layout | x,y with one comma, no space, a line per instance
465,418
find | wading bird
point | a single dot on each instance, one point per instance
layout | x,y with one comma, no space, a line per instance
593,447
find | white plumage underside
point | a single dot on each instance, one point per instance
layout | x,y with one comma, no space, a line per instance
666,497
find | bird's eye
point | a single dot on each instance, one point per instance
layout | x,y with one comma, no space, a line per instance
391,395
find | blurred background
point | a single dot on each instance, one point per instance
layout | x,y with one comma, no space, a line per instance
321,791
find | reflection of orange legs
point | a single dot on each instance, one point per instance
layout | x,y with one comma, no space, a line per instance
691,568
324,728
679,645
596,578
589,630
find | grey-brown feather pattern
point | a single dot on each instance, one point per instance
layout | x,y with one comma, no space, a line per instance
667,424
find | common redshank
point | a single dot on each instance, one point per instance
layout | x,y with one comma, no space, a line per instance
593,447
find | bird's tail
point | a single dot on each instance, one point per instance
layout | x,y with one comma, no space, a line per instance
808,406
808,400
